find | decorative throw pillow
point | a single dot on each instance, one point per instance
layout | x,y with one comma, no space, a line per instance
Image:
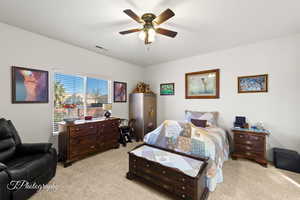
211,117
199,122
184,144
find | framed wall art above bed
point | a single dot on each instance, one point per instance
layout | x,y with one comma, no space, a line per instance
253,84
202,85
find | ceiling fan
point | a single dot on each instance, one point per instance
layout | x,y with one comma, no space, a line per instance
150,21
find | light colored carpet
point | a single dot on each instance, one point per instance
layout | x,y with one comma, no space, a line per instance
103,177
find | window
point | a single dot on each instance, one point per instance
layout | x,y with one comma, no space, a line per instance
78,96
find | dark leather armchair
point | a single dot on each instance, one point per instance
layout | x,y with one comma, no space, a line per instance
23,165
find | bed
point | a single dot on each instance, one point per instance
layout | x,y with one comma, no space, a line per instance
210,141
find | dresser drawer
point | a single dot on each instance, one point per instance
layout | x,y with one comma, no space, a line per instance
82,145
256,138
254,154
184,189
240,137
111,124
184,195
250,140
250,148
83,130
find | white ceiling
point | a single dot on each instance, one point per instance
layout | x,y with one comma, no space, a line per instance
202,25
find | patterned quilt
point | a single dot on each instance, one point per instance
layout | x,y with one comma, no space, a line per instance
209,142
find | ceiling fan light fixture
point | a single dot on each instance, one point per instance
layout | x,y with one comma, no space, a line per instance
150,21
147,35
151,35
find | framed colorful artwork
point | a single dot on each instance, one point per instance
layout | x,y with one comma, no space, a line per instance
120,92
202,85
29,85
167,89
252,84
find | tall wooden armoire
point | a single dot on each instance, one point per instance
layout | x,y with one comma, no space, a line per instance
142,108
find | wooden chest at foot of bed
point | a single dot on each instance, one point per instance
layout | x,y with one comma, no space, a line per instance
175,180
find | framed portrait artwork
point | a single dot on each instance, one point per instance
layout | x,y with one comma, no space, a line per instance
167,89
202,85
252,84
29,85
120,92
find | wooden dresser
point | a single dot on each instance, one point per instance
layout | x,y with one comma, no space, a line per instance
250,145
81,139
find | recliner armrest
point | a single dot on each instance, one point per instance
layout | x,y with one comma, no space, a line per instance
28,148
2,166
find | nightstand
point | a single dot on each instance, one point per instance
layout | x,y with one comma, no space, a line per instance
250,144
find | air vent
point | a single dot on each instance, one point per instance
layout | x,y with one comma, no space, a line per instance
101,48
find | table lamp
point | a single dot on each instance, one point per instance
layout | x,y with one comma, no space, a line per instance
107,107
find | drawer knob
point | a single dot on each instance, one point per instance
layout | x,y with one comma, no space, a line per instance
183,179
248,153
92,147
164,172
77,129
183,195
248,148
248,142
148,165
134,160
183,187
134,166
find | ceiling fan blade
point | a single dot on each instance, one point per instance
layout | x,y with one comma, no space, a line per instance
164,16
134,16
130,31
166,32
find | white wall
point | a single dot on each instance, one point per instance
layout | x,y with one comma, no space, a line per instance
279,108
25,49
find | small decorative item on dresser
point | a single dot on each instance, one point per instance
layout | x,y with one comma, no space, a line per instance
250,144
88,118
107,107
240,122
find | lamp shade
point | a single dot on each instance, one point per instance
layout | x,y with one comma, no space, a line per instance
107,106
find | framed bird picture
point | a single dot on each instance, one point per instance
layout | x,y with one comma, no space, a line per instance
202,85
